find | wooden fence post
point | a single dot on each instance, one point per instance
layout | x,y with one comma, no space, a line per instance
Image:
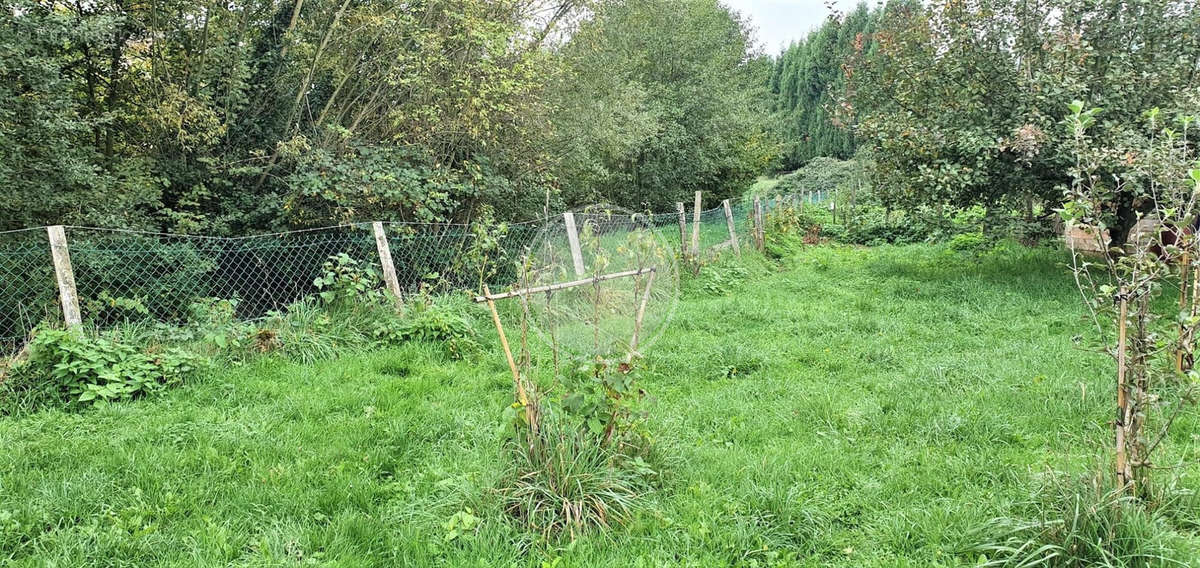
729,223
65,275
683,247
696,228
758,224
573,239
385,260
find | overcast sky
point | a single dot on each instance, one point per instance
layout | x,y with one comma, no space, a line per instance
781,21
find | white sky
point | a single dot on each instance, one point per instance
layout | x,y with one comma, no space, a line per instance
781,21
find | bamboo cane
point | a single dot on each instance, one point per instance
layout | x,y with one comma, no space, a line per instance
522,397
641,312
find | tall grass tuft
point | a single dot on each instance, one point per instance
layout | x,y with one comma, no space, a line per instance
563,481
1083,522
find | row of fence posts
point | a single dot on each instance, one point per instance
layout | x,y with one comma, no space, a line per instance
69,295
692,249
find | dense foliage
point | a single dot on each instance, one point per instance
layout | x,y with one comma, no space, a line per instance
961,103
805,82
639,126
222,118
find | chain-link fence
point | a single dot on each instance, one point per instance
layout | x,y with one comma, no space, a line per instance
122,275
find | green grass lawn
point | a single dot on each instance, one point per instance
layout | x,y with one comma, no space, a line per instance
853,407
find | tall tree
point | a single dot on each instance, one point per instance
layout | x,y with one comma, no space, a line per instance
805,81
661,98
962,102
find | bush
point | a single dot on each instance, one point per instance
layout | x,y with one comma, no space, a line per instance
74,368
970,243
787,228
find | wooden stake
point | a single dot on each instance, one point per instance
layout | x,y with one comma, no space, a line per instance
1188,346
683,246
759,234
573,239
1183,297
641,312
729,223
1124,473
385,260
512,365
696,227
67,293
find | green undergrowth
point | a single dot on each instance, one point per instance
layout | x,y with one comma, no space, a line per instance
840,406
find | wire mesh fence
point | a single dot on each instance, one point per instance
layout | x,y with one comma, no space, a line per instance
122,275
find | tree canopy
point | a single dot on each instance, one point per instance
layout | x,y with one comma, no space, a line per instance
217,117
963,102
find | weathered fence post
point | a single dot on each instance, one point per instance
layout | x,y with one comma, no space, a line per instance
683,246
65,275
573,239
729,224
759,234
385,260
696,228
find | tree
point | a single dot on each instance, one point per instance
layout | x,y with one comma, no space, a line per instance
961,101
660,99
804,84
49,168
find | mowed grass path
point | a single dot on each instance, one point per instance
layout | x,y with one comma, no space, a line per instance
852,408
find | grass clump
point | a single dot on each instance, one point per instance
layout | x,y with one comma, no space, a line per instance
577,455
563,481
1086,522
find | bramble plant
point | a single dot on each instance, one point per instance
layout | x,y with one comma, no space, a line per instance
346,280
75,368
1153,347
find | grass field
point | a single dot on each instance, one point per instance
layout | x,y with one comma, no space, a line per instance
852,407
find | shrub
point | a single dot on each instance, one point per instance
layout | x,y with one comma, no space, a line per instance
787,228
970,243
344,280
72,367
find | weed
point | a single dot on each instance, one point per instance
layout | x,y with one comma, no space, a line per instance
562,481
75,368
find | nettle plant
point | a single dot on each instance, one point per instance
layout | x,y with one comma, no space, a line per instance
1152,342
77,368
